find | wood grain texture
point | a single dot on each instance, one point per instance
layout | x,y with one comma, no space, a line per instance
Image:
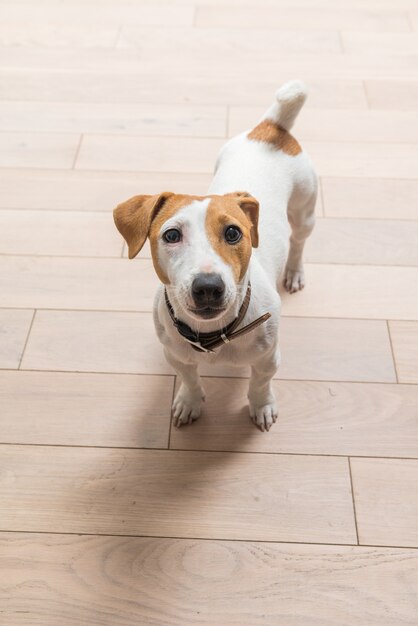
100,14
85,409
364,159
71,190
344,291
355,42
143,87
105,581
308,18
14,329
119,118
59,283
38,150
148,154
183,494
386,500
97,341
181,44
404,337
333,349
392,94
363,241
123,60
56,35
370,198
93,341
314,418
58,233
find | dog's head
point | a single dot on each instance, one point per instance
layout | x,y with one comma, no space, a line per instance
200,246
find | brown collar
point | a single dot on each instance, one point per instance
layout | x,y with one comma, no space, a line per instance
207,342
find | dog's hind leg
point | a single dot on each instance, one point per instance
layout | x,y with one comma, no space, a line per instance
301,217
302,220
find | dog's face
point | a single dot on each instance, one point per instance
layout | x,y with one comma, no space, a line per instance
200,246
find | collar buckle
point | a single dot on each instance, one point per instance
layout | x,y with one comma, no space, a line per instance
198,346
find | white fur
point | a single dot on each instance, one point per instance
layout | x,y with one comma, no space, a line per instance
194,254
286,188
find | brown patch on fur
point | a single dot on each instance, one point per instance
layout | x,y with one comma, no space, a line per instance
133,219
278,137
172,206
226,211
143,216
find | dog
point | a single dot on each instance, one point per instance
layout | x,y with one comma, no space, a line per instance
220,257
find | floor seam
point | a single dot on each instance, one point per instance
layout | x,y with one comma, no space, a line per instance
27,340
353,499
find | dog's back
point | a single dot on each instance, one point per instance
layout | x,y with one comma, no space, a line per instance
269,163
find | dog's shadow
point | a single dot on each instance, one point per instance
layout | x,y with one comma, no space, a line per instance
159,492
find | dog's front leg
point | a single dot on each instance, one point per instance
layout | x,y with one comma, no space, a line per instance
188,401
263,404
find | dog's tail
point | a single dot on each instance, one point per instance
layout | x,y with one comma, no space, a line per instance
289,101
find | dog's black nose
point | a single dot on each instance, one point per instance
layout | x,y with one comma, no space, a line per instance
208,290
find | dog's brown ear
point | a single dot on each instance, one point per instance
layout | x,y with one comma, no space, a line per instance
250,207
133,219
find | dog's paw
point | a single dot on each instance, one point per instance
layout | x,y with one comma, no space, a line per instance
264,416
187,406
294,280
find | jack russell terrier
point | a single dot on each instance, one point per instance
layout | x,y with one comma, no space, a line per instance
219,300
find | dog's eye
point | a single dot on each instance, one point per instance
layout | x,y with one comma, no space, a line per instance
172,236
232,234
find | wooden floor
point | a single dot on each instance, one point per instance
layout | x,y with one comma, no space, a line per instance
108,516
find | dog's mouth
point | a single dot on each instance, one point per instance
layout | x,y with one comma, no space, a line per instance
208,312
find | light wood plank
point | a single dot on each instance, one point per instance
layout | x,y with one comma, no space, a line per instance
95,342
376,198
386,500
116,152
323,4
124,60
404,337
85,409
231,87
339,124
308,18
357,42
58,233
314,349
226,43
368,160
376,242
392,94
159,581
333,349
413,14
14,329
120,118
59,283
100,14
71,190
148,154
327,349
356,291
56,34
183,494
38,150
361,419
